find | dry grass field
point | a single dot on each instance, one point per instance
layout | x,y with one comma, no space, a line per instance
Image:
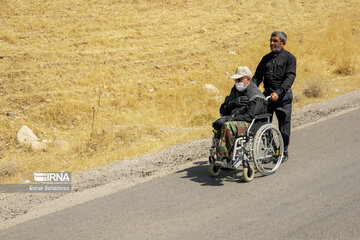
119,78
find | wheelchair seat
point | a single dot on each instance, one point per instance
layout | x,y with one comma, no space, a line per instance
257,122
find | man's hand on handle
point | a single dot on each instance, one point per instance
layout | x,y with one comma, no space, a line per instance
274,97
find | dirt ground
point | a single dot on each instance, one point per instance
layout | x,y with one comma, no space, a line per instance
20,207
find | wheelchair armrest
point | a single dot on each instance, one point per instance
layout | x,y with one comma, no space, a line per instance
266,115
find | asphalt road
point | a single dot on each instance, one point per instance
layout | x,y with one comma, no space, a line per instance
314,195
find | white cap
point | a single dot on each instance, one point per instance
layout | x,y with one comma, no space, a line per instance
240,72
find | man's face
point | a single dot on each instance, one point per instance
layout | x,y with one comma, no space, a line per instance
276,44
244,80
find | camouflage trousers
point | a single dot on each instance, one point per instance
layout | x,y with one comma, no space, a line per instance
230,131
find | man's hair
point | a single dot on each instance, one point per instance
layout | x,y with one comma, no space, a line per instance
281,35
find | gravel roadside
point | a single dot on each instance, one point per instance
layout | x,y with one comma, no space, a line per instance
20,207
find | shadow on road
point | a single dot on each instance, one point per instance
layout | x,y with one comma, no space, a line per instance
200,173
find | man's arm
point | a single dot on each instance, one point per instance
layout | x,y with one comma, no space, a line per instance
259,73
239,103
223,108
289,76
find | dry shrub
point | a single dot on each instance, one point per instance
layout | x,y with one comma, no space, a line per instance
8,167
313,90
344,66
296,97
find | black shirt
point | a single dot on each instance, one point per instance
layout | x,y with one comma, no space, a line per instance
278,71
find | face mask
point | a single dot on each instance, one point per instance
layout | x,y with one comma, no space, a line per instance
240,86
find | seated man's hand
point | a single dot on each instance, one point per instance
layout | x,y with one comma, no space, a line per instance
240,101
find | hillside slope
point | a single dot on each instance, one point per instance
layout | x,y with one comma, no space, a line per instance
122,78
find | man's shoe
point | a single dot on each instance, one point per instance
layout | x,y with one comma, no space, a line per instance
223,162
285,158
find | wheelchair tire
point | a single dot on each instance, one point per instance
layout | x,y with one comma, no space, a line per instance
214,170
268,149
248,174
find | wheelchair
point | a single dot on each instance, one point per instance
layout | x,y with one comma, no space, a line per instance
262,147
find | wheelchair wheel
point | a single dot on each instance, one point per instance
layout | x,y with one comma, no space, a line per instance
268,149
248,173
214,170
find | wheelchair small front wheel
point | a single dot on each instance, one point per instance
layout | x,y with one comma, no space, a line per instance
248,173
214,170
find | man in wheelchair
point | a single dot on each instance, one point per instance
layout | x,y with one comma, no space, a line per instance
239,108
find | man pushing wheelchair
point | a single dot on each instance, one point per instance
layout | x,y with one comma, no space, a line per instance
244,134
238,110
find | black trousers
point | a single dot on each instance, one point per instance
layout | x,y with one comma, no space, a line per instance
282,108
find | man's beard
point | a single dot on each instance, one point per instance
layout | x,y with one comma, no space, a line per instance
276,49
